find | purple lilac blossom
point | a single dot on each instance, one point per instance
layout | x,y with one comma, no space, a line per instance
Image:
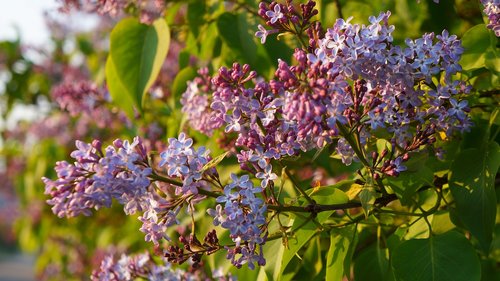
492,10
149,10
131,267
355,77
79,97
303,107
242,215
157,219
196,104
263,33
84,99
120,171
184,162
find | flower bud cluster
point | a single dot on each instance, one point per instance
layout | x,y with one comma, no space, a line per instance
120,171
243,214
193,249
285,17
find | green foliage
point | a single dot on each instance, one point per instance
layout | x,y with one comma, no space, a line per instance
443,257
472,183
476,42
373,264
136,54
342,244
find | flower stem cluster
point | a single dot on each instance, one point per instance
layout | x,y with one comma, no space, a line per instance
193,249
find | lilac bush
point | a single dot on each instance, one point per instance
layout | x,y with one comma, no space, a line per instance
309,155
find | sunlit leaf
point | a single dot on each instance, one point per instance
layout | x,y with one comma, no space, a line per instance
137,52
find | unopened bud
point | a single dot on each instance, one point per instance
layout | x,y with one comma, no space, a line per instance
118,143
383,153
406,157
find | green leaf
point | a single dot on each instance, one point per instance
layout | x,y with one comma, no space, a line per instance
196,11
475,42
211,46
179,85
116,87
444,257
273,267
233,29
301,237
338,253
312,259
408,182
367,197
214,162
492,60
329,195
472,184
322,195
137,52
372,265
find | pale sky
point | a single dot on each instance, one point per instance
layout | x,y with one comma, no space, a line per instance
27,15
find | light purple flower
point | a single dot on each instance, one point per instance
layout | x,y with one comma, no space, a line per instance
276,14
266,176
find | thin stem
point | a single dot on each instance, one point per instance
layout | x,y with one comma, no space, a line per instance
299,36
296,185
317,208
208,193
348,136
157,177
339,8
359,153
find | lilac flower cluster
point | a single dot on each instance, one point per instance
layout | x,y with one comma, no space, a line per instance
83,98
120,171
196,104
242,215
157,219
354,79
185,162
149,9
492,10
394,94
131,267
